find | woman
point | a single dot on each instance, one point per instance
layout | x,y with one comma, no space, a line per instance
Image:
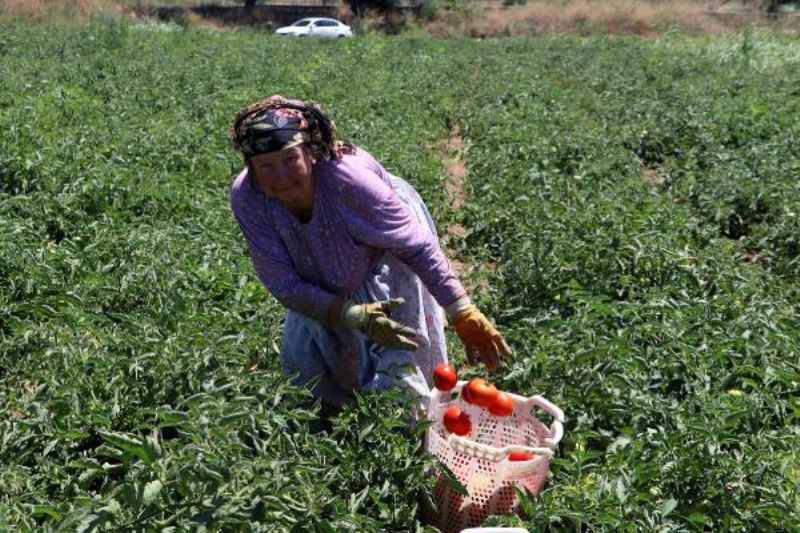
353,254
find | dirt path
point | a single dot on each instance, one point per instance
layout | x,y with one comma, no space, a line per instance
452,153
451,150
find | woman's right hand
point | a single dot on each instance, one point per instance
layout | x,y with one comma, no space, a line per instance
373,320
481,339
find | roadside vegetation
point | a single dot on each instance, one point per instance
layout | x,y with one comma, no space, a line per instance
590,17
463,18
628,211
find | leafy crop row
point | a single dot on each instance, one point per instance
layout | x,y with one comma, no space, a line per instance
639,201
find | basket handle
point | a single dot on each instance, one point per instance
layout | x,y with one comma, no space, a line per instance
476,449
556,428
556,432
548,408
506,472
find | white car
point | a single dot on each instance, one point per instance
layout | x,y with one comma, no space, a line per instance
316,27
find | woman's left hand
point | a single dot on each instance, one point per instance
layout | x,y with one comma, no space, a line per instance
373,319
480,338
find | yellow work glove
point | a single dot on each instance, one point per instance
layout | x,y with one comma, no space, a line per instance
373,320
481,339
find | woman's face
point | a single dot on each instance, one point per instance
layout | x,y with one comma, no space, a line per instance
287,176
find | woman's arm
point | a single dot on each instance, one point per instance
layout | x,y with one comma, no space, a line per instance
376,216
272,261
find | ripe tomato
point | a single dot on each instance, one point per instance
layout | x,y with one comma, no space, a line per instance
445,377
465,395
520,456
481,393
503,405
457,421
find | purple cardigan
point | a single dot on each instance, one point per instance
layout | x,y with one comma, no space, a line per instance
357,216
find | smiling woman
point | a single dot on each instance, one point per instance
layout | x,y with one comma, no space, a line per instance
287,176
353,253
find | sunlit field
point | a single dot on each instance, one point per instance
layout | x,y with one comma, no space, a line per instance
628,212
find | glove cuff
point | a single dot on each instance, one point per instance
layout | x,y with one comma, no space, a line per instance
353,315
457,307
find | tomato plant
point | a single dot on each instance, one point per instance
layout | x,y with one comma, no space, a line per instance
636,243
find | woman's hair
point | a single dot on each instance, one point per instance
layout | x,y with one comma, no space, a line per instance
262,127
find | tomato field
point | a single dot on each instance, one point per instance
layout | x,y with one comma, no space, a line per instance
630,219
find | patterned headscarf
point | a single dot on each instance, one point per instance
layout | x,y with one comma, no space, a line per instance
277,123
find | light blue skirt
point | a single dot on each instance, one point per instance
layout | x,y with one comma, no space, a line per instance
316,355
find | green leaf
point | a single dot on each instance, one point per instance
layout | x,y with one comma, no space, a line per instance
233,417
452,480
89,523
131,444
620,490
45,510
668,506
112,507
618,444
151,491
171,417
357,499
699,518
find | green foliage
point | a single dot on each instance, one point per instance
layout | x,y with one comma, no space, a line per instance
639,201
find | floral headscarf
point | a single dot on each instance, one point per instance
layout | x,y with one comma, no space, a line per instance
277,123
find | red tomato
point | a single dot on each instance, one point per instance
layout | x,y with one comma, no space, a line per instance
456,421
481,393
503,405
520,456
445,377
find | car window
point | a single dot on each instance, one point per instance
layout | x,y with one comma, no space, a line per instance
326,23
301,23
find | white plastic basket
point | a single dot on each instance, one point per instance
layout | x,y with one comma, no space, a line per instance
480,460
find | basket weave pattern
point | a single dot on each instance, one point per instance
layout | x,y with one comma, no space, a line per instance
480,460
